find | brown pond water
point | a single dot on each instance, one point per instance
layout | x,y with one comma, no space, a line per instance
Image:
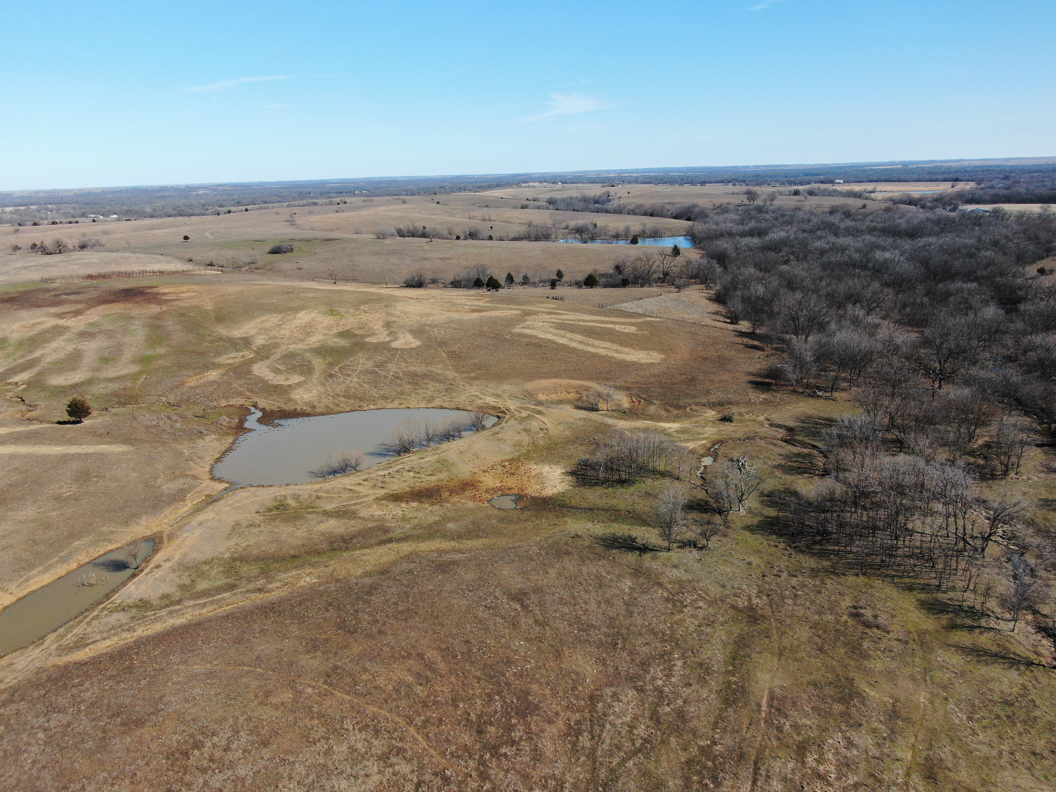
505,502
291,450
51,606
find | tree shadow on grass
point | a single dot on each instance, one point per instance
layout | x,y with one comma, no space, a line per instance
627,543
812,429
959,616
1006,658
802,463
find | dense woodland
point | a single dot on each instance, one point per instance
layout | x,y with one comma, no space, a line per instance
942,327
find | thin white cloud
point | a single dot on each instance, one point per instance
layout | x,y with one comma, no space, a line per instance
765,4
570,104
223,85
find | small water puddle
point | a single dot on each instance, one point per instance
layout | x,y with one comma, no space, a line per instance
505,502
51,606
299,450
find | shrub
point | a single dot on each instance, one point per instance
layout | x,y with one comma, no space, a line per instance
281,248
78,408
416,280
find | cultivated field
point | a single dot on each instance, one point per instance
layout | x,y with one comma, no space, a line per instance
390,630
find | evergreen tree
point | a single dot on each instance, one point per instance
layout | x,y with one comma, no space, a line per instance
78,408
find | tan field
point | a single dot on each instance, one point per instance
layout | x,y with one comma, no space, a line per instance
1029,208
895,188
388,629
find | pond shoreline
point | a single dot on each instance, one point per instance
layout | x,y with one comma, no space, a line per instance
46,595
287,451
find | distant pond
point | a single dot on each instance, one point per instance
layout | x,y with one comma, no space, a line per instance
682,241
299,450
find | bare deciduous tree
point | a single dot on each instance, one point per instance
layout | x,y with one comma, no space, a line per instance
131,554
477,421
706,530
599,398
669,514
1008,442
625,457
339,464
1024,580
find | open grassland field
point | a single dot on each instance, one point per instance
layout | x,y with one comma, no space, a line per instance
880,189
338,240
390,630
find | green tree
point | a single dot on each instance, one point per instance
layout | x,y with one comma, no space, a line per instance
591,281
675,252
78,408
509,279
560,275
493,283
478,282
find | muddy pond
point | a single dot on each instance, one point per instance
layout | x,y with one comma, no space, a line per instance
51,606
299,450
505,502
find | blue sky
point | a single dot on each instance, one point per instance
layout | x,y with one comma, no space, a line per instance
133,93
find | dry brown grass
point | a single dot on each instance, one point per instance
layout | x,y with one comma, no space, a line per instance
388,629
892,188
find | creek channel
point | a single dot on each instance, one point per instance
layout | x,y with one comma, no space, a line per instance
299,450
51,606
